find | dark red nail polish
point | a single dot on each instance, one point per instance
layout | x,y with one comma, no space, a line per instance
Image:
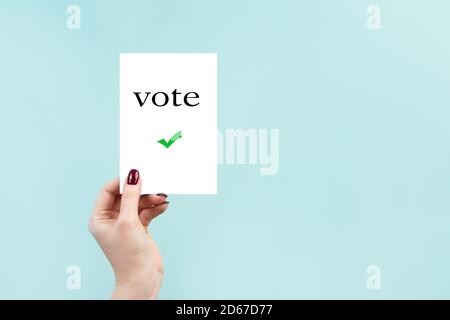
133,177
162,195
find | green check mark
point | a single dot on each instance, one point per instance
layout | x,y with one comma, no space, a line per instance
174,138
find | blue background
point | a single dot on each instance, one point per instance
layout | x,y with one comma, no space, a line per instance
364,150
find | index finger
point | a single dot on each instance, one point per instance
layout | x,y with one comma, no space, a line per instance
107,196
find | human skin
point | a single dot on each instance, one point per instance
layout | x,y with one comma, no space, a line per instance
119,223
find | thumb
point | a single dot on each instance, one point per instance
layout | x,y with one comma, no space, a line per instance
130,197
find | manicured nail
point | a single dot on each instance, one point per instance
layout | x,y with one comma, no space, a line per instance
162,195
133,177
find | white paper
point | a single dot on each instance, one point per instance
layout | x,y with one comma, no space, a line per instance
189,164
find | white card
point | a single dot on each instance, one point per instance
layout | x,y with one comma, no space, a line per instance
168,121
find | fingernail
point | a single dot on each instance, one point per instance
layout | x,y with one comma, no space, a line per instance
162,195
133,177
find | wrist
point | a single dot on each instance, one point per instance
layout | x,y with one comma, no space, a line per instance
141,286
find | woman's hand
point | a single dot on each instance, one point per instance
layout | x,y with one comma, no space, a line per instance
119,224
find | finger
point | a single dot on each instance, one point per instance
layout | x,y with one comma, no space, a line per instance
107,197
130,196
151,200
145,201
148,214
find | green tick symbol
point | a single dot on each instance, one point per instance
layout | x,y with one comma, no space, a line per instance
174,138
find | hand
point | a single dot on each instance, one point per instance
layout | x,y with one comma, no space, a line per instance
119,224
